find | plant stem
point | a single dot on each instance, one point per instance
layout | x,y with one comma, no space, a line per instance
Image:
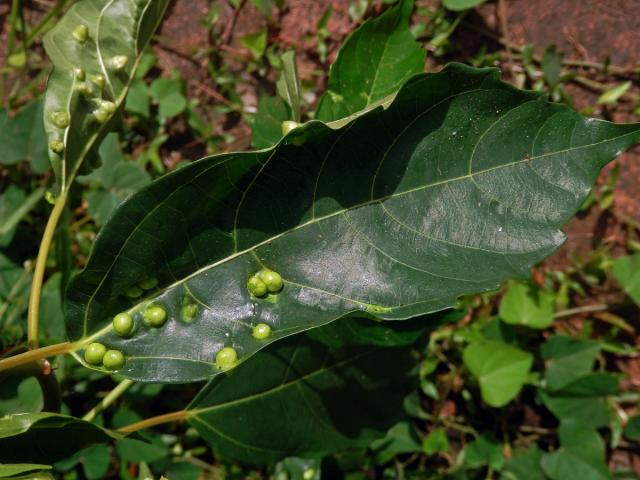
153,421
33,355
31,36
38,274
578,310
122,387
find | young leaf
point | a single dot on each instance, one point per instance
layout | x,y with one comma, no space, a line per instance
47,437
626,271
525,305
288,84
501,370
302,397
95,50
374,61
582,455
461,183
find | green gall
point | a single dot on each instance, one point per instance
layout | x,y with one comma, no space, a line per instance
261,331
133,292
100,115
148,283
94,353
289,125
123,324
113,360
59,118
50,197
98,80
272,280
226,358
189,312
155,316
107,106
56,146
119,62
79,73
309,474
83,89
80,33
256,287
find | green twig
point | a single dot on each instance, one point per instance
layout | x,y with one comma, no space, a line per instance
51,14
578,310
111,397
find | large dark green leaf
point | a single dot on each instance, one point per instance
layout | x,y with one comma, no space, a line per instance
47,437
373,63
462,182
111,44
305,396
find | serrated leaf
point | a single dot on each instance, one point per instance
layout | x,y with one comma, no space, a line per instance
374,61
525,305
303,397
626,270
47,437
102,38
459,184
501,369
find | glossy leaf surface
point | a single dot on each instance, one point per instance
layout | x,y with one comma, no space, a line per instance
461,183
308,395
95,49
46,437
373,63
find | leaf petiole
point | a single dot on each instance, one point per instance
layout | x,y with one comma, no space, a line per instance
36,354
153,421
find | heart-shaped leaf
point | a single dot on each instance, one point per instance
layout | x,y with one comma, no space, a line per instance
462,182
308,395
95,49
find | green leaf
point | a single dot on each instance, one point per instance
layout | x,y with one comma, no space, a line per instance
526,305
632,430
567,360
459,184
255,42
552,65
461,4
501,370
626,270
582,455
94,459
525,465
102,38
374,61
484,450
11,470
139,99
294,468
19,395
288,84
47,437
23,138
401,438
266,128
436,442
301,397
611,96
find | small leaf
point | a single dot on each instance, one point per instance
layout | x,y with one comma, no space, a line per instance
266,127
525,465
589,411
484,450
567,360
461,4
436,442
288,84
401,438
626,270
90,80
374,61
23,138
294,468
552,65
582,455
255,42
632,430
300,397
501,370
11,470
526,305
611,96
47,437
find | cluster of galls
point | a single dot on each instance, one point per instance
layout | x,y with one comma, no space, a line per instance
102,109
263,282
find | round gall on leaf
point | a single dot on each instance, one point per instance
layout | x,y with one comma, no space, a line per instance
155,316
257,287
189,312
94,352
133,292
226,358
148,283
59,118
261,331
289,125
98,80
80,33
272,280
123,324
119,62
56,146
113,360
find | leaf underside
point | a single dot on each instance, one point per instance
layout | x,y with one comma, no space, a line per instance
461,183
115,28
